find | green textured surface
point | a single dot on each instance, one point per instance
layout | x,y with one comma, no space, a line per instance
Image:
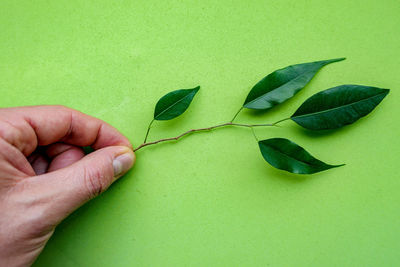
211,200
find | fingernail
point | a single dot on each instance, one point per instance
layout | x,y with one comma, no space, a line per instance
122,163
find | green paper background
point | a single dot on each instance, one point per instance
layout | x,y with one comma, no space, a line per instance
210,199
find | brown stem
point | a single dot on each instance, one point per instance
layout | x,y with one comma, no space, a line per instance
203,129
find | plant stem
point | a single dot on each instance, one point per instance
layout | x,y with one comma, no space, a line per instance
254,134
275,123
148,130
237,113
204,129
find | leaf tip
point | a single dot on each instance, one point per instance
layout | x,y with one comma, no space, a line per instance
337,59
195,90
339,165
335,166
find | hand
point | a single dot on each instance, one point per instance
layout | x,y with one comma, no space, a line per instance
45,175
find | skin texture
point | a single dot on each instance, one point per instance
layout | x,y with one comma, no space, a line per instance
45,175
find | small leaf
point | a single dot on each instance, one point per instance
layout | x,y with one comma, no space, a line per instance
285,155
174,103
282,84
338,106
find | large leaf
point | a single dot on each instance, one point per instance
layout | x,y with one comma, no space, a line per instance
174,103
285,155
282,84
338,106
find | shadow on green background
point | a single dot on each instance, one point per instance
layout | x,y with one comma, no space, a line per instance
211,200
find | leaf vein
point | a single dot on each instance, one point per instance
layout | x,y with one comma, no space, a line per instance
332,109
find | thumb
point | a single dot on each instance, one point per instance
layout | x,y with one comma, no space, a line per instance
64,190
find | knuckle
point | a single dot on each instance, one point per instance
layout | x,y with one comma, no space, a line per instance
63,111
9,133
19,134
66,110
62,107
95,182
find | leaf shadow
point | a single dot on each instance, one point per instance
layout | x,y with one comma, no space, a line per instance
323,133
270,112
289,178
293,178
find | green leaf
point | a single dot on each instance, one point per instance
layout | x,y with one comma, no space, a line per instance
338,106
285,155
174,103
283,84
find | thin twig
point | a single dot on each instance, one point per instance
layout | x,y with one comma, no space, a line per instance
254,134
205,129
148,130
237,113
275,123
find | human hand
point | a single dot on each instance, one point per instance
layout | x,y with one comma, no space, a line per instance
45,175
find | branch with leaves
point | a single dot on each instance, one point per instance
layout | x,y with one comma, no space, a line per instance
327,110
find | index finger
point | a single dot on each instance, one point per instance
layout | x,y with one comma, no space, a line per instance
28,127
